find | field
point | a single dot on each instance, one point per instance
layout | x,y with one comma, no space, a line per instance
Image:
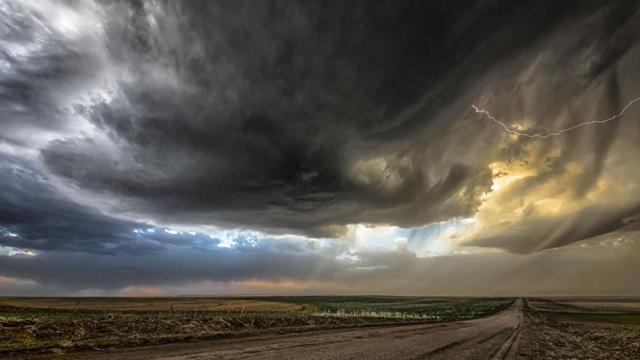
320,327
589,304
596,328
155,304
438,309
70,324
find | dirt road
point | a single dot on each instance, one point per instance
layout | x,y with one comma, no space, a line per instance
494,337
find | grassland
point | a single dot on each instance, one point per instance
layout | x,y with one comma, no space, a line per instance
62,324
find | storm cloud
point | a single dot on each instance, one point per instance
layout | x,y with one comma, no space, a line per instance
306,120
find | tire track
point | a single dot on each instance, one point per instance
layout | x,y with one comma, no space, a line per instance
509,349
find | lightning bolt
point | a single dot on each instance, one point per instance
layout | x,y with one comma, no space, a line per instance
509,130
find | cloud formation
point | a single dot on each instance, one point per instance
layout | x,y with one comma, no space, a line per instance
307,120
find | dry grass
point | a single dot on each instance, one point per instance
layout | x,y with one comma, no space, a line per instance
48,324
38,329
155,304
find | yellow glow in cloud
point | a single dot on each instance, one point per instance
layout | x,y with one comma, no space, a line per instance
381,172
504,174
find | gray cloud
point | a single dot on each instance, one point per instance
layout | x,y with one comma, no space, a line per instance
288,117
594,267
537,233
42,219
231,113
61,269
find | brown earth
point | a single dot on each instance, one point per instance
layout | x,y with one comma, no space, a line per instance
556,330
497,336
529,329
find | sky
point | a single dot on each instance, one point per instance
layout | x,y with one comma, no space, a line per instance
156,148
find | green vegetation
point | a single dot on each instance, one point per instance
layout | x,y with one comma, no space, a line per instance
435,309
28,325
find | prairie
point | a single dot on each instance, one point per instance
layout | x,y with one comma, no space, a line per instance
67,324
320,327
154,304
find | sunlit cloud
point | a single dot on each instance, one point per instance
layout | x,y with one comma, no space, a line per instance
140,142
12,251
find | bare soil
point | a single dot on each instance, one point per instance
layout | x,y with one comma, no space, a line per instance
529,329
561,334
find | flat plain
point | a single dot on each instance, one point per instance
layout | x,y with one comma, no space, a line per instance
320,327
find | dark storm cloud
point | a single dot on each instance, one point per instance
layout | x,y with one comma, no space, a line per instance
35,216
39,218
592,267
39,69
304,117
259,113
178,266
113,254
